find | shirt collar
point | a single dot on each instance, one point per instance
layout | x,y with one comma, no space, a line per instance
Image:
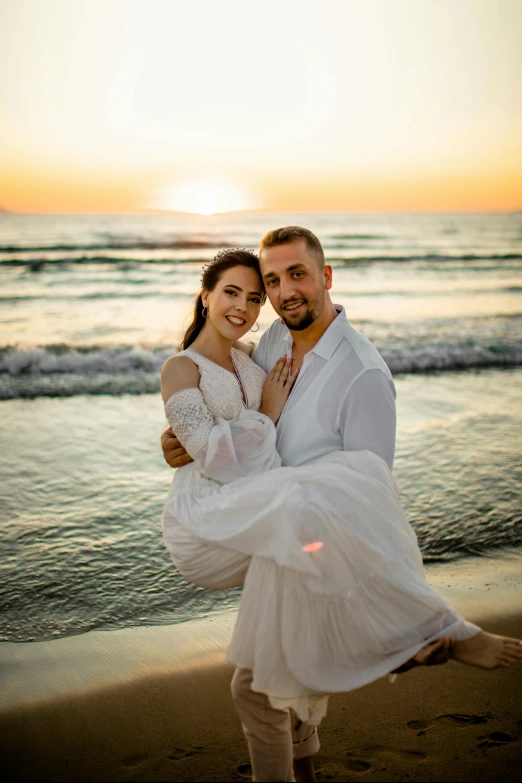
330,339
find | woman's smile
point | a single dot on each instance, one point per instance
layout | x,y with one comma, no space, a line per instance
235,320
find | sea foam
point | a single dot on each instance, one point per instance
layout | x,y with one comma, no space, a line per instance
62,371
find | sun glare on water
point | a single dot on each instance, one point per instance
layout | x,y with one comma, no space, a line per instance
205,197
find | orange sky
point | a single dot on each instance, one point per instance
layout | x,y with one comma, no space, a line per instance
304,105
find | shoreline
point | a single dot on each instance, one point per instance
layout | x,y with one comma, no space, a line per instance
153,703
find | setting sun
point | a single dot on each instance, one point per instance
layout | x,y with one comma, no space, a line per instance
129,122
204,197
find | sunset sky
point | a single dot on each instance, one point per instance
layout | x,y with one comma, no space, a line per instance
217,105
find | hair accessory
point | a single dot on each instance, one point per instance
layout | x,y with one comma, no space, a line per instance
221,254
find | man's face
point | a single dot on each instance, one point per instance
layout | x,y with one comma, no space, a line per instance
294,283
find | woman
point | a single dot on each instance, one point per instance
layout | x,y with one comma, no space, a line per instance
334,590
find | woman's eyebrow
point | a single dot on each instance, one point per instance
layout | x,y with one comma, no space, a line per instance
230,285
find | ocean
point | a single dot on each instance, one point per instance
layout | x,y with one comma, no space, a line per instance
91,306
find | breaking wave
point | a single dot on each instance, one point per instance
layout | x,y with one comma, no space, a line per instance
63,370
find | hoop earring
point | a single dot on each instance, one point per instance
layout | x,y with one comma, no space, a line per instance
204,312
255,330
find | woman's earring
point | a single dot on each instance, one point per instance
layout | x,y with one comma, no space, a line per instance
255,330
204,312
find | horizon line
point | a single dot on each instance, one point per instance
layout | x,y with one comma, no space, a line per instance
515,210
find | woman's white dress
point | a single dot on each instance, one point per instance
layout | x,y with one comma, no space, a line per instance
334,592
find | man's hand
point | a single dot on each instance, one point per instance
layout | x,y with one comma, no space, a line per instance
174,453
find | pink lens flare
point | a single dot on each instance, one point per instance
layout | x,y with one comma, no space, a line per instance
314,547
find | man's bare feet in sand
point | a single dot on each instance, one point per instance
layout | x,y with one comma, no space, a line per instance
432,654
304,771
487,651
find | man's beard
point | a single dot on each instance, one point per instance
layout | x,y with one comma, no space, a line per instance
302,321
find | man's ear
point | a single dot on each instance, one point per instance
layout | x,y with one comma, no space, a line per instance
328,277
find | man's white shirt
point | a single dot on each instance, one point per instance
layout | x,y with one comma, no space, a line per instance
343,398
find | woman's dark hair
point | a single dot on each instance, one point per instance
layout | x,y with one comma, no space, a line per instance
224,260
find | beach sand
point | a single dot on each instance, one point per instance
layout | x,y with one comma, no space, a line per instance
153,704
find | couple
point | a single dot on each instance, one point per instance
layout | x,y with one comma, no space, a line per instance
285,488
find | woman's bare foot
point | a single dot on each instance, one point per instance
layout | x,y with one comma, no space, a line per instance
432,654
488,651
435,653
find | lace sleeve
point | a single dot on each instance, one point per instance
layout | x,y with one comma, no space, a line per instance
190,419
222,450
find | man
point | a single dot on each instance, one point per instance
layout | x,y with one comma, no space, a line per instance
343,399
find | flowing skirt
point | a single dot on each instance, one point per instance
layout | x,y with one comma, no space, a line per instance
334,592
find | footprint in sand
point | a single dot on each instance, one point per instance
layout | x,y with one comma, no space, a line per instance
375,750
358,765
457,720
184,753
369,755
134,761
495,740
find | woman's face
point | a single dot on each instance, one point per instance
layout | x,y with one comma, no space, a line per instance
234,304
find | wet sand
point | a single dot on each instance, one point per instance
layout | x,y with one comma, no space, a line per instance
153,704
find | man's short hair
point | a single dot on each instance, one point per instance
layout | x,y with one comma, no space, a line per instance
288,234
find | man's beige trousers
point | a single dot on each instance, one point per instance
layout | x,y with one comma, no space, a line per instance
274,740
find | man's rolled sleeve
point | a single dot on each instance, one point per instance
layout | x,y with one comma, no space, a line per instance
368,416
